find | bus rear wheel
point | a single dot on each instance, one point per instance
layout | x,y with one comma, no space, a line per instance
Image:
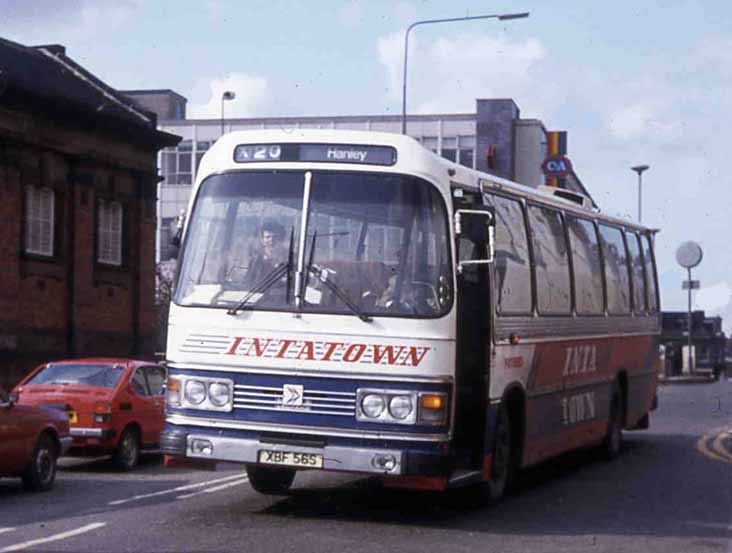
270,481
613,442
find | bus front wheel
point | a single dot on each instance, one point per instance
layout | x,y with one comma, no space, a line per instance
503,458
270,481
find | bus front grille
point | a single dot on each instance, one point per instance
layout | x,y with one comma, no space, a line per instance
316,402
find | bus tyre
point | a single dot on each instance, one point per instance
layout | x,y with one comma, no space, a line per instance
41,472
127,454
270,481
613,442
503,459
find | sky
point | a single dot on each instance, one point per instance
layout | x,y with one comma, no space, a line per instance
633,82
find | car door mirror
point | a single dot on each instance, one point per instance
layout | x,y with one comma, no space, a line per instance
13,398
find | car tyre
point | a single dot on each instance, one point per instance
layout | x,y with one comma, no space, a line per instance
613,441
270,481
127,454
41,472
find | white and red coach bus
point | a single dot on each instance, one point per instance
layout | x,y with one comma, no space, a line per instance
349,301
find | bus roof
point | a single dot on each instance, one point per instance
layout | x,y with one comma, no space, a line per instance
411,158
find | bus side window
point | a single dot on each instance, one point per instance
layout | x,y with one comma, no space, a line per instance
637,271
512,267
616,270
551,261
649,260
587,263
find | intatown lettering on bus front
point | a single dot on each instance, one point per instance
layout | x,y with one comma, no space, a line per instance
308,350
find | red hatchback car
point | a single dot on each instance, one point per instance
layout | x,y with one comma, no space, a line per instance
115,406
31,440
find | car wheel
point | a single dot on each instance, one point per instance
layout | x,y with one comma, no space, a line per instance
613,442
127,454
270,481
41,472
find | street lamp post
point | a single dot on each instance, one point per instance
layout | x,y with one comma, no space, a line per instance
639,169
500,17
227,95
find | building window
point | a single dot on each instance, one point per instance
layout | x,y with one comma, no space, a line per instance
430,142
466,151
449,148
109,233
39,221
176,163
202,147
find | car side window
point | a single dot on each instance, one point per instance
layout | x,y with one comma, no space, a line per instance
138,383
156,379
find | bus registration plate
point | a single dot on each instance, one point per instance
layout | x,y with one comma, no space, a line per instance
290,458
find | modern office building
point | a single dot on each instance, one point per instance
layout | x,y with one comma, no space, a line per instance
494,139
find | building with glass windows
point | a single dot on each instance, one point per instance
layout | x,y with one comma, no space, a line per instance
494,139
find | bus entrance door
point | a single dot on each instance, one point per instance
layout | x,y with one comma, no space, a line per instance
473,338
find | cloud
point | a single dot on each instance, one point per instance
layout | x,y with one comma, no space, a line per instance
642,120
447,74
253,97
714,297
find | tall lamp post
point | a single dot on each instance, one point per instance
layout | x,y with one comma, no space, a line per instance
227,95
639,169
500,17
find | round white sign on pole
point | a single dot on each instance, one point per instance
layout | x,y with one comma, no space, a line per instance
689,254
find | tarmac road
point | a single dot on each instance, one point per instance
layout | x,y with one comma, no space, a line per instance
670,490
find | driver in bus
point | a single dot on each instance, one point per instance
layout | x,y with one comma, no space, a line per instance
270,252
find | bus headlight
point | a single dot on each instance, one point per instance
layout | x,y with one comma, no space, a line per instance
199,392
386,406
219,393
400,407
195,392
373,405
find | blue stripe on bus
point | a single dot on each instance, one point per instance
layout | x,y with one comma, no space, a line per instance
306,418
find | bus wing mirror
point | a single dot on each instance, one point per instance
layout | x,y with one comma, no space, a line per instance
478,226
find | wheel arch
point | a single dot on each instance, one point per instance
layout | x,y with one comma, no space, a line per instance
514,398
622,380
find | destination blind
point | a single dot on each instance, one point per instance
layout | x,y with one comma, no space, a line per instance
324,153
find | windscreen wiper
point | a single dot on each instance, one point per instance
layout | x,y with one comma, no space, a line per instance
321,274
268,280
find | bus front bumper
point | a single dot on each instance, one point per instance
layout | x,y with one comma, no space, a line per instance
376,461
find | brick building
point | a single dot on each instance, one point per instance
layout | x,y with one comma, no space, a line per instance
78,179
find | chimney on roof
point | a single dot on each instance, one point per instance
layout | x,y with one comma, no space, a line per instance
55,49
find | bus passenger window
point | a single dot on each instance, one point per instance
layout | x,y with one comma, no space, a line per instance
637,272
616,270
587,267
649,259
512,268
551,261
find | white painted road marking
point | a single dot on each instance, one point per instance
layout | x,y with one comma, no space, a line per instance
6,530
174,490
215,488
55,537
